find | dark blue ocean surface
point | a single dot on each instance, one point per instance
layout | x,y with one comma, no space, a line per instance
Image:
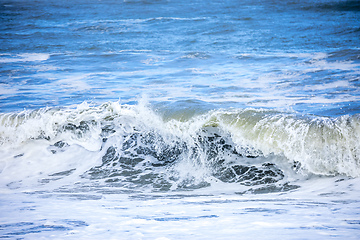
288,55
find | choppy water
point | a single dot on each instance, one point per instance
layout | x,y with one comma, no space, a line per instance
180,120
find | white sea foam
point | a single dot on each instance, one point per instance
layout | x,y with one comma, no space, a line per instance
320,145
24,57
6,90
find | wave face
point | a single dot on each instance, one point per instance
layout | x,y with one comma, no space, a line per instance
141,147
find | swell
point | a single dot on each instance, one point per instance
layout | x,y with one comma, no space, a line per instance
131,134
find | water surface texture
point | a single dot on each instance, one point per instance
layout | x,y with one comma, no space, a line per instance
168,119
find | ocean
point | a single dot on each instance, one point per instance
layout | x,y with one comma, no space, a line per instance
169,119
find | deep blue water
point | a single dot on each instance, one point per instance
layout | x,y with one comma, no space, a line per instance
298,55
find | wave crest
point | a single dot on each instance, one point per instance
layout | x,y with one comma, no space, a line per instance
318,145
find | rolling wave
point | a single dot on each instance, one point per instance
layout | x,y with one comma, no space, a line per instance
135,146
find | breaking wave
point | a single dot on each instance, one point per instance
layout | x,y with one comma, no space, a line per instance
139,146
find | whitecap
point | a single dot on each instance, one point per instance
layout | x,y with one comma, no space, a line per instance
24,57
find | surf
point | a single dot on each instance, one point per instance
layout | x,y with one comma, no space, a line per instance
143,147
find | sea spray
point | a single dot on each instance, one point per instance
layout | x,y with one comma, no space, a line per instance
132,146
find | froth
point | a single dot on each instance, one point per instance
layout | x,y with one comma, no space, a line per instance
25,57
325,146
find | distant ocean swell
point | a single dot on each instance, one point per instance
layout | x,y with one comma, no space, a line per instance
133,146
